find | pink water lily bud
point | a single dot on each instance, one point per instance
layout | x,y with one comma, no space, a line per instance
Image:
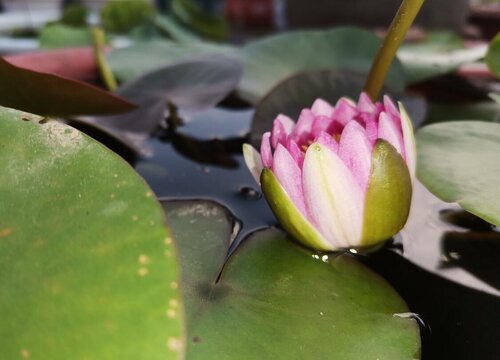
341,176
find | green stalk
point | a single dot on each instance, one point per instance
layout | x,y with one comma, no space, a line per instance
102,63
397,31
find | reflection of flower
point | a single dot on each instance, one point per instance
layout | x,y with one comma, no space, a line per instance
340,177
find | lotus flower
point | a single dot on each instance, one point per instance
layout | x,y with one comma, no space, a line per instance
341,177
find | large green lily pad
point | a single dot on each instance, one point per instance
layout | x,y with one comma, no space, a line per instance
278,301
269,61
459,162
87,266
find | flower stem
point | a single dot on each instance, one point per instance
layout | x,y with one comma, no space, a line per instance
102,63
397,31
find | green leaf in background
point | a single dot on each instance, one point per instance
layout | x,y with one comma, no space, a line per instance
459,162
131,62
440,53
269,61
278,301
75,15
62,36
121,16
52,95
493,56
88,268
208,25
169,26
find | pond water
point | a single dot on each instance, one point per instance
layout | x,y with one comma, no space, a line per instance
445,263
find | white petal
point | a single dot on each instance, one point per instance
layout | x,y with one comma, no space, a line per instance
253,161
333,197
409,141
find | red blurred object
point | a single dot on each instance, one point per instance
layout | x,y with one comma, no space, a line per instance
75,63
250,13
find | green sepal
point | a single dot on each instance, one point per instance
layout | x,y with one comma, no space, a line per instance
388,197
288,215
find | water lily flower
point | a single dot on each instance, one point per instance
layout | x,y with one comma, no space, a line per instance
341,177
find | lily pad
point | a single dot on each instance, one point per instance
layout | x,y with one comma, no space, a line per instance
458,162
268,62
278,301
52,95
130,63
88,268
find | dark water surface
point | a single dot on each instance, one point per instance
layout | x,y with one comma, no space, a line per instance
445,264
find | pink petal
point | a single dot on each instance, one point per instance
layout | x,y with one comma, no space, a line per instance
365,104
295,152
356,152
334,199
304,125
328,141
392,111
389,107
320,124
282,127
265,150
371,127
388,131
322,108
344,112
289,176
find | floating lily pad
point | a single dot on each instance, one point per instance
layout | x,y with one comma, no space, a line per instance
459,162
51,95
278,301
268,62
88,268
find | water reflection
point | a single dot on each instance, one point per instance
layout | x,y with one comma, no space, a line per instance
430,240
